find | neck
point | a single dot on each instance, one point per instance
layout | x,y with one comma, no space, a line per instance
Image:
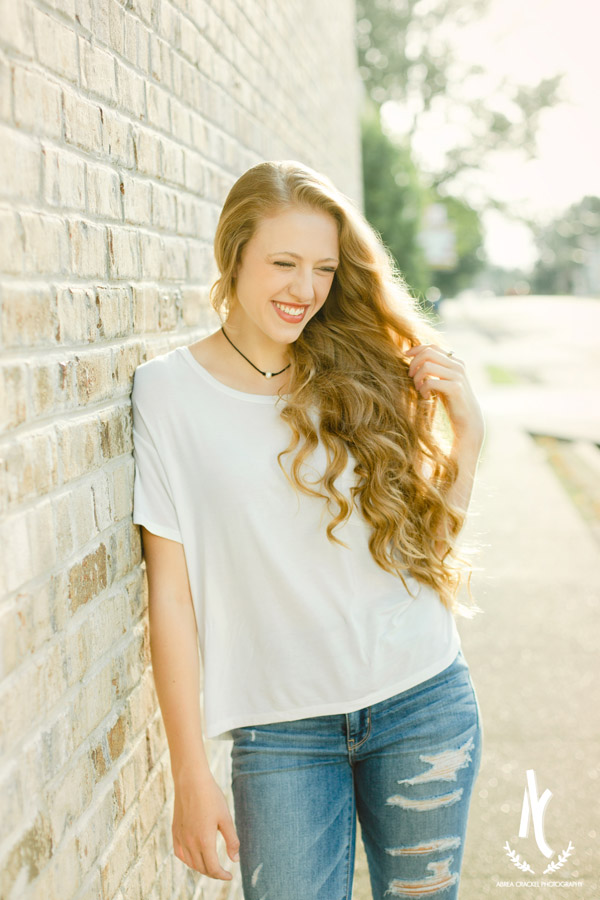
268,355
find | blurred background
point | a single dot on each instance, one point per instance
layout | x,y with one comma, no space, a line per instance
481,140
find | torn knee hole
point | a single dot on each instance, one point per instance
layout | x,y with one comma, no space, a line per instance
423,804
447,843
440,879
443,766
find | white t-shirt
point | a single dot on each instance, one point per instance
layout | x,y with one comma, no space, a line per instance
290,625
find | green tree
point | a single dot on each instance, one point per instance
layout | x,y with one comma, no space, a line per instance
569,251
468,232
394,198
406,56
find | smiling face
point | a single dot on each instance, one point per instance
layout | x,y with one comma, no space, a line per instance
285,274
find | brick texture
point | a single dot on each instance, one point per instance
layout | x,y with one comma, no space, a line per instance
123,124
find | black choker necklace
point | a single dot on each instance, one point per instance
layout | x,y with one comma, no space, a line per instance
266,374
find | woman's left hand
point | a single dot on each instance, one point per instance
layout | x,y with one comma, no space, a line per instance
450,380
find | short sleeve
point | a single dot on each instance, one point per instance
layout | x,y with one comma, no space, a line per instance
153,505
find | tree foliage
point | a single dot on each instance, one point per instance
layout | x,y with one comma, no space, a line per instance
468,232
569,251
406,56
395,200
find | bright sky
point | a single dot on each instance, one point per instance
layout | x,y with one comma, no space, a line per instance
528,40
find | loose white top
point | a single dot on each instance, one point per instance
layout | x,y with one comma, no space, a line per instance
290,625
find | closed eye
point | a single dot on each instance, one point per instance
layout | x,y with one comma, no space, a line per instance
286,264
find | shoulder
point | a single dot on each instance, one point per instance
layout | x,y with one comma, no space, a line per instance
154,373
157,386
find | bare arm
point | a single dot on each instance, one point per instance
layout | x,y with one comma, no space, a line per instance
466,453
200,806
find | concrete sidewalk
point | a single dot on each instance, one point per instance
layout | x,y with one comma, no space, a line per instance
533,658
533,651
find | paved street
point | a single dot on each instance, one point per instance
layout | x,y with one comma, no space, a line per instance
533,652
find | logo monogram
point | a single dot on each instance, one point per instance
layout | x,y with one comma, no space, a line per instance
534,809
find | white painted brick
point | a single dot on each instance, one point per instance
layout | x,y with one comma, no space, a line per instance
28,315
63,526
63,873
159,111
11,242
84,14
116,18
101,500
123,253
172,162
145,305
151,250
89,245
124,125
67,7
40,526
21,166
164,207
37,102
92,704
97,71
137,200
5,90
117,138
114,311
79,446
83,122
169,25
31,467
174,264
17,29
135,41
100,22
147,151
63,178
56,45
181,127
76,310
103,191
46,246
131,91
82,513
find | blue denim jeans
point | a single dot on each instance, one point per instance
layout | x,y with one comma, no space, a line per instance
406,766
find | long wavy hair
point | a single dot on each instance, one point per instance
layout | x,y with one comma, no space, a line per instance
349,363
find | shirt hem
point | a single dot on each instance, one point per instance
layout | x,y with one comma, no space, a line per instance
222,730
159,530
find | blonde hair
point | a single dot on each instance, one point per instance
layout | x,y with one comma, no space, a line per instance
349,363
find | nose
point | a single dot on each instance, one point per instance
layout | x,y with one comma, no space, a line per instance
302,285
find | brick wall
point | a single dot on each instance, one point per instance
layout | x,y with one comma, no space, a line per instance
122,127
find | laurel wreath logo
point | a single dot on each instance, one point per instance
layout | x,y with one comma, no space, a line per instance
553,866
523,866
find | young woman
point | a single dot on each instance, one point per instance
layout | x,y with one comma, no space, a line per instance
300,506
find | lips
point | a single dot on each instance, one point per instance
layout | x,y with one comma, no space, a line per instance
296,316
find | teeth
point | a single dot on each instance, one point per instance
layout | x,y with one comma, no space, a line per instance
290,310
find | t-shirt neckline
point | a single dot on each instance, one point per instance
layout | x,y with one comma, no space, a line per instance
233,392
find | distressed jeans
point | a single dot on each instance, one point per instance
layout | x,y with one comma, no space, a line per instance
406,766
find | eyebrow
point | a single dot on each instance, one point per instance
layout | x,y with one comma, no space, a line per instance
297,256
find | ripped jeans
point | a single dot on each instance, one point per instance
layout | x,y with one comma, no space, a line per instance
406,766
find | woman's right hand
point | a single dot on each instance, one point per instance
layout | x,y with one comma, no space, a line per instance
201,811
